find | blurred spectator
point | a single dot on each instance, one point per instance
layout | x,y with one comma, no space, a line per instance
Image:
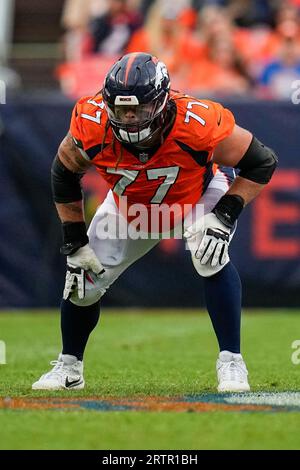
287,25
247,13
77,13
222,73
95,44
257,45
112,30
145,6
277,77
167,35
215,23
89,23
76,17
222,50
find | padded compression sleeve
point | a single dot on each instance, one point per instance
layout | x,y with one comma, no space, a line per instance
65,184
259,163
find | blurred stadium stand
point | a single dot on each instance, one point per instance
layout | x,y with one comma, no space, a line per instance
36,51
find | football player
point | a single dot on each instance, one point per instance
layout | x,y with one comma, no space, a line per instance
153,146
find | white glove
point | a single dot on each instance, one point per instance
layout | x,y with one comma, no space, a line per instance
83,260
209,240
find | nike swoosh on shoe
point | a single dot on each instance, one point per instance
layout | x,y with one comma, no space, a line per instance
70,384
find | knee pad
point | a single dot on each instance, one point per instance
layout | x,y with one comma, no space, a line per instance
206,270
95,288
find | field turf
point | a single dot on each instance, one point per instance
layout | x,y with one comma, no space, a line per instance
141,354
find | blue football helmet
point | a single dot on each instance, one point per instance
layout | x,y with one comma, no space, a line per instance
135,93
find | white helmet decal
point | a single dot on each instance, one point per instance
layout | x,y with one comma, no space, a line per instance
161,74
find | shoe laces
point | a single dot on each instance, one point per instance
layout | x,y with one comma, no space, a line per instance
57,369
233,370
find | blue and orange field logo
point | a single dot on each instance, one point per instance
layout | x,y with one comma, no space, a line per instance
246,402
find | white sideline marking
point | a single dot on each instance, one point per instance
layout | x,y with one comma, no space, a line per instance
262,398
2,352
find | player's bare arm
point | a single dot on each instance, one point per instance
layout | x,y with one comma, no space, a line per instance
70,157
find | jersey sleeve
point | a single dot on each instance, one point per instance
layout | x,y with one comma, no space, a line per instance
202,124
86,127
222,123
76,125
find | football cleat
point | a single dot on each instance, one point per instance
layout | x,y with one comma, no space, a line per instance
232,373
66,374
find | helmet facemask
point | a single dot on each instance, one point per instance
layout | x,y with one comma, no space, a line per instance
135,94
136,123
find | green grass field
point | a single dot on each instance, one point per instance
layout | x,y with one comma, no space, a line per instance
141,354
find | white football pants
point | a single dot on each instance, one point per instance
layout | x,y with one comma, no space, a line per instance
116,253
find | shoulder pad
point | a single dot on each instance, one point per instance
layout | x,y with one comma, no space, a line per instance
202,124
89,125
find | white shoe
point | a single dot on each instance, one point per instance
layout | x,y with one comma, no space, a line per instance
66,374
232,373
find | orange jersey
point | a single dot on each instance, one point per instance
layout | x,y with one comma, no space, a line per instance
177,173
